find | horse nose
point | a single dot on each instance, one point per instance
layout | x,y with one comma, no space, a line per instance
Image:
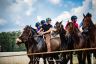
18,40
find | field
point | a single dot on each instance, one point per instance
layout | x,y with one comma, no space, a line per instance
19,59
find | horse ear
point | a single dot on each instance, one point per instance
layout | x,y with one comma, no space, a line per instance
61,22
83,15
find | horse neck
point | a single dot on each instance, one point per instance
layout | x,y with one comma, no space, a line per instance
62,34
30,44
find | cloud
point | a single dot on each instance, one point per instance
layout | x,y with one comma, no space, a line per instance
94,10
63,16
29,12
21,9
85,8
2,21
29,2
55,2
78,11
39,18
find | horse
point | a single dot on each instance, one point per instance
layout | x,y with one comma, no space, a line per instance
60,30
75,40
35,43
89,33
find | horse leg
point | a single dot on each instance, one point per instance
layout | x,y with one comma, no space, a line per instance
37,59
71,58
79,56
50,58
30,62
84,57
94,53
88,57
56,57
63,58
44,59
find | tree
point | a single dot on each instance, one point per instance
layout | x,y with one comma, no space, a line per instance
8,43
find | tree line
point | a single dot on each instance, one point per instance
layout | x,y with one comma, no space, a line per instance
8,42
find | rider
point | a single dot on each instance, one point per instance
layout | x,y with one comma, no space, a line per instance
37,25
42,22
74,20
47,29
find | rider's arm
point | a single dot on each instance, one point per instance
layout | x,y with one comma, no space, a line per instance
40,30
51,29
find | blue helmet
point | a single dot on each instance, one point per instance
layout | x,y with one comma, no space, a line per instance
37,24
42,22
48,19
73,17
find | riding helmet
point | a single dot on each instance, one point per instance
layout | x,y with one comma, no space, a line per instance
48,19
73,17
42,22
37,24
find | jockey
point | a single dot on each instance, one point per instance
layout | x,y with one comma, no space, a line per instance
42,22
74,20
37,25
47,28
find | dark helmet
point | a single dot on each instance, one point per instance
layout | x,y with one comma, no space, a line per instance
48,19
37,24
88,14
42,22
73,17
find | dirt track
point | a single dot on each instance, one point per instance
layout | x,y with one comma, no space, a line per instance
19,59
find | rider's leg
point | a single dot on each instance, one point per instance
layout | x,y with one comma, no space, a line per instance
47,39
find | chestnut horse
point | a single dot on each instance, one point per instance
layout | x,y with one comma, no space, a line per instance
36,44
89,33
75,40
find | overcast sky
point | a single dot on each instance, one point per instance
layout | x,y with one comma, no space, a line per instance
15,14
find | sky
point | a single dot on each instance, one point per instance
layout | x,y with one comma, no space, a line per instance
16,14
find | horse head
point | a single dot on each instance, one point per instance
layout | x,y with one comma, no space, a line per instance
87,22
28,33
70,27
58,26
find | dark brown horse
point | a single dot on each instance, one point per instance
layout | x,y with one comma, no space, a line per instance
36,44
75,40
89,32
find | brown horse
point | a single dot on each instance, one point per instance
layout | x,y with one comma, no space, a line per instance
75,40
60,30
89,32
36,44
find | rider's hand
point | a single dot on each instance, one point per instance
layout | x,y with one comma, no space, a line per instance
41,33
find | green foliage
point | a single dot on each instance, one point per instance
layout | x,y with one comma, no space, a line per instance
8,42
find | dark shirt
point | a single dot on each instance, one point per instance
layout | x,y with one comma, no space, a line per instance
46,27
